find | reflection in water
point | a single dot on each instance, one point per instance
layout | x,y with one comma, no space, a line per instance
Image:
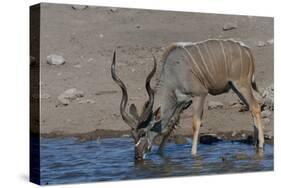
68,161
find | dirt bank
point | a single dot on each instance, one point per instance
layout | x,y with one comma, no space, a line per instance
86,38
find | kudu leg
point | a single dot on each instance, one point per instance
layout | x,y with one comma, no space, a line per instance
164,141
198,107
245,93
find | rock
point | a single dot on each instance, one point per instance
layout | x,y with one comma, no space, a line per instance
138,26
243,135
229,26
180,139
77,66
126,136
113,9
79,7
266,114
209,139
121,64
270,42
54,59
234,133
261,44
214,105
243,108
101,35
268,97
266,121
269,135
45,96
233,103
87,101
63,101
90,59
69,95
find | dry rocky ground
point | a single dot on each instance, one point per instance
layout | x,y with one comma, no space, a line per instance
78,96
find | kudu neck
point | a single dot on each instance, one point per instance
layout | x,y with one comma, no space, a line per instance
168,108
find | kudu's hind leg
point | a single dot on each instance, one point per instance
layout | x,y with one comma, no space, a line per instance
245,93
198,107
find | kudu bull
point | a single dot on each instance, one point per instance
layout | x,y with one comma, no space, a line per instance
191,71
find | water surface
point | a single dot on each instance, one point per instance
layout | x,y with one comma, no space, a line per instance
69,161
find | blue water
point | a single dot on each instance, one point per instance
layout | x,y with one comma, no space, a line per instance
69,161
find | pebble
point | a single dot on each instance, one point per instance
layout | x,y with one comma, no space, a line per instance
229,26
261,44
77,66
69,95
121,64
113,9
270,42
126,136
269,135
214,105
79,7
138,26
268,96
266,120
54,59
209,139
90,59
266,114
87,101
243,108
45,96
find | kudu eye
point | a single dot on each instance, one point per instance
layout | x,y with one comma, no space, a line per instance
142,134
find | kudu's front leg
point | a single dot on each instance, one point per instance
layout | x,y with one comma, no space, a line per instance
198,107
164,140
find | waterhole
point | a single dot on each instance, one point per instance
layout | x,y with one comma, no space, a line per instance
68,161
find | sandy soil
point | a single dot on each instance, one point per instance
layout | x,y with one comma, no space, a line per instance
87,38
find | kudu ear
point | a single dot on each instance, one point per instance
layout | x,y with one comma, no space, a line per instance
133,111
143,116
157,114
157,127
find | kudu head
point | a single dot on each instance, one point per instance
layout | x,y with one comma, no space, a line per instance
142,123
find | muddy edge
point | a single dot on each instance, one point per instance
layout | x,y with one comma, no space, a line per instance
240,136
